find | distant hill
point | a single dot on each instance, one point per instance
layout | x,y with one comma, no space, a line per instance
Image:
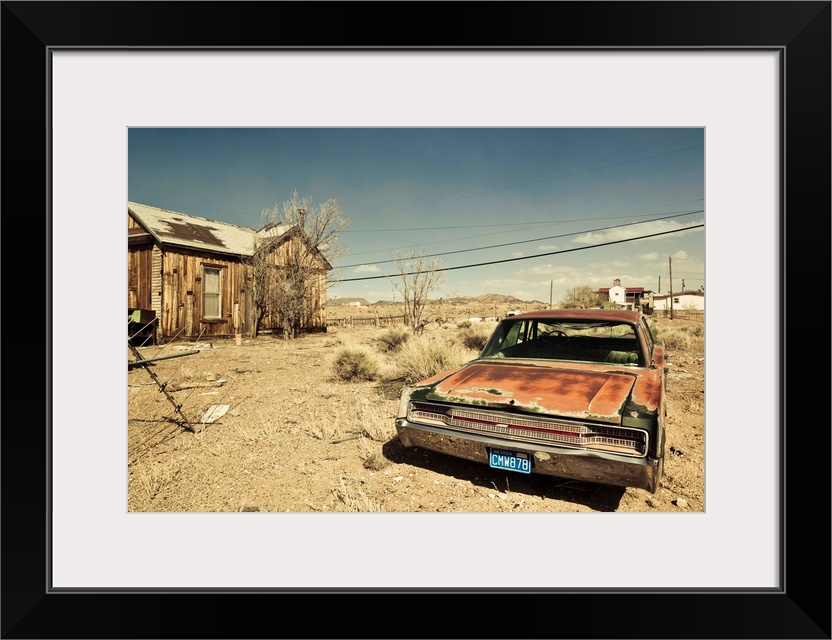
489,299
349,302
493,298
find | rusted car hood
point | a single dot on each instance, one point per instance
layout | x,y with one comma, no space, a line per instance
549,389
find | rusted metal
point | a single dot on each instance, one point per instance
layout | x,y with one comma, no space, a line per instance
139,363
568,392
177,407
644,473
586,408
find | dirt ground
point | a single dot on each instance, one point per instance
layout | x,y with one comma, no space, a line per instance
275,431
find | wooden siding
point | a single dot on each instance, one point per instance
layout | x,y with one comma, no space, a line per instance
138,266
183,307
169,280
156,281
182,289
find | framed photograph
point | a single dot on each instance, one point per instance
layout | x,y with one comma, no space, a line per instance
755,76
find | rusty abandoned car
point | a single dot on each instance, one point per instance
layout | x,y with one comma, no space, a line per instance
572,393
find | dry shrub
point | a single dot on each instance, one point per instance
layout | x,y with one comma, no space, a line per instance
153,477
353,497
697,329
475,337
376,419
682,337
322,430
465,324
426,356
355,363
392,338
371,456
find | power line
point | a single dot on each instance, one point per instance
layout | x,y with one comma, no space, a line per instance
519,224
508,244
539,255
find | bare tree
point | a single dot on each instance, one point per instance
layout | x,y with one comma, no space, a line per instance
292,259
416,280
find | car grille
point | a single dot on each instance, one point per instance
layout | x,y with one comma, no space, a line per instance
582,435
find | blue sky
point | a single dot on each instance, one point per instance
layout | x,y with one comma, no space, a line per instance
528,212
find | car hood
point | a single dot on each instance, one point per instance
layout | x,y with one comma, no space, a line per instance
547,389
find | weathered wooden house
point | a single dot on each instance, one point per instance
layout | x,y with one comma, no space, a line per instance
196,274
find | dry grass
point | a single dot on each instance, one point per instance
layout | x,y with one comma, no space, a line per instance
392,338
682,335
474,336
349,496
355,363
298,438
152,476
429,354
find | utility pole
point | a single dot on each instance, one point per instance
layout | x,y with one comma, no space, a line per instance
660,285
550,293
670,269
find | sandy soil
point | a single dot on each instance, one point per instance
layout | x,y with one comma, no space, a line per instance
293,438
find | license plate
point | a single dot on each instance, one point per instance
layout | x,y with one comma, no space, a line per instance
509,460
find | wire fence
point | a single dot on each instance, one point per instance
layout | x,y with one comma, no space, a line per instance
365,321
687,314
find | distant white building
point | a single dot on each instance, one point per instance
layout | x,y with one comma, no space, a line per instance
681,301
634,298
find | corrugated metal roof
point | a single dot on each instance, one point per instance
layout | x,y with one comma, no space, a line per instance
181,229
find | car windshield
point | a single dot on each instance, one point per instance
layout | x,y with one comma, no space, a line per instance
573,340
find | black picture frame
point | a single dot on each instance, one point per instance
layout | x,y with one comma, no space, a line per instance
799,31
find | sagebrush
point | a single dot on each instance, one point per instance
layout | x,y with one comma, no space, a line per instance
425,356
356,363
392,338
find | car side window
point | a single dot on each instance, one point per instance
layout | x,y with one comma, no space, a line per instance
505,336
514,335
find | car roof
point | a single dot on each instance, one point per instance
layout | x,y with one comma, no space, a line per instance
617,315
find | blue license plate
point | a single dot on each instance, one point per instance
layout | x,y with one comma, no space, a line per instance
509,460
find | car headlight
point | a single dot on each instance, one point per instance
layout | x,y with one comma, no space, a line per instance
404,400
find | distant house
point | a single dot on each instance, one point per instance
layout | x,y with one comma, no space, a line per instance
633,298
193,273
680,301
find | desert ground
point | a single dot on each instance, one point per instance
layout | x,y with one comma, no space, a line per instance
267,426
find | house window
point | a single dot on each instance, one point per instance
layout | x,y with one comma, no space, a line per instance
675,300
211,301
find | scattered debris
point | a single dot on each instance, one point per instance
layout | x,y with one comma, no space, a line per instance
194,345
681,503
179,385
214,413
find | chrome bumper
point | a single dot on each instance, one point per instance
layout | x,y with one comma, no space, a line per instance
561,462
